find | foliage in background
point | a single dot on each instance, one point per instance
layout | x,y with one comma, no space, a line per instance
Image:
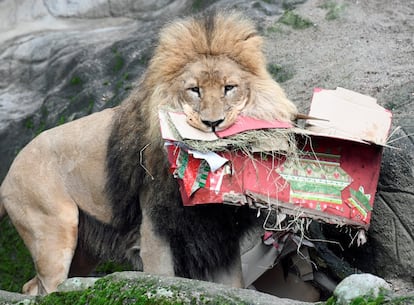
16,266
279,73
199,5
292,19
105,268
335,10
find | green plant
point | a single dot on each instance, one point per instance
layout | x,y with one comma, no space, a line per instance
38,128
274,29
279,73
41,127
118,61
144,59
391,105
111,267
29,124
16,266
334,9
119,84
75,80
294,20
90,106
381,299
62,120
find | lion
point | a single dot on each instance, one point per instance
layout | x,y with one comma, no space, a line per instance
99,188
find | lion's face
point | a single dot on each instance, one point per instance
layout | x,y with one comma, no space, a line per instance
214,70
213,91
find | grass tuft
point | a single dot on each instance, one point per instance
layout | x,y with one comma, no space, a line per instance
279,73
295,21
335,10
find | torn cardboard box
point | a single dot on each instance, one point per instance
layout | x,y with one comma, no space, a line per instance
332,177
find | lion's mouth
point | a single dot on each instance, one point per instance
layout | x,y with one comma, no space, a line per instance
213,125
208,124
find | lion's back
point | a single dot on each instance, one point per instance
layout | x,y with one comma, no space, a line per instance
68,160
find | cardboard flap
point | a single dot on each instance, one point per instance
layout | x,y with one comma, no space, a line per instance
189,132
167,132
174,127
349,115
244,123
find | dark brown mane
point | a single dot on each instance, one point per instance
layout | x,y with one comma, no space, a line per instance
180,42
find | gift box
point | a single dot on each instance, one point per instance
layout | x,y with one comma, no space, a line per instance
331,177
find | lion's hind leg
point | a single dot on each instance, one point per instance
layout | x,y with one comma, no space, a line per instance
51,240
46,218
82,264
31,287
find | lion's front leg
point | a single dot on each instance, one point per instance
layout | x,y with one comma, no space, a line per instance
200,242
155,250
233,276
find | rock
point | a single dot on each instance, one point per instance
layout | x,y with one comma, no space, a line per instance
51,14
53,77
359,285
185,291
77,283
138,287
7,298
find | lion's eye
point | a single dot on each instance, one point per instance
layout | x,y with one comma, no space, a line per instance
228,88
195,89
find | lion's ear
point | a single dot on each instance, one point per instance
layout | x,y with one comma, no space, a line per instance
268,101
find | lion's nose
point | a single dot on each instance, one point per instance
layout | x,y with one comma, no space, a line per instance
212,124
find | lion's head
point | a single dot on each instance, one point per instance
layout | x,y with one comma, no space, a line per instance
212,92
213,69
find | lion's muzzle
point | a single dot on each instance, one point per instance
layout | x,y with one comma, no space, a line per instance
212,124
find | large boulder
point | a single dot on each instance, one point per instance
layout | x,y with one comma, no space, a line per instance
139,288
359,285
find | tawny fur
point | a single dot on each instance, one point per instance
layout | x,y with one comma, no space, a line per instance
99,187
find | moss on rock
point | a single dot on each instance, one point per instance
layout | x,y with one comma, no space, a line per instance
142,291
379,300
